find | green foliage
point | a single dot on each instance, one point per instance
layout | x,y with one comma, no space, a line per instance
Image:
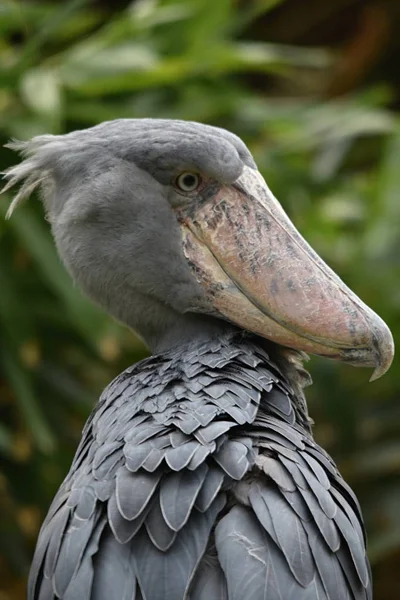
332,163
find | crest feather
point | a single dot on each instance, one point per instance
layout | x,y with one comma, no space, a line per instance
31,172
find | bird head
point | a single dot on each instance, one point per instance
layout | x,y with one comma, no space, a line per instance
159,219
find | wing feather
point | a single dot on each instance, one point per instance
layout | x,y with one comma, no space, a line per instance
143,484
72,549
178,493
210,488
263,572
167,575
286,529
209,582
159,531
114,575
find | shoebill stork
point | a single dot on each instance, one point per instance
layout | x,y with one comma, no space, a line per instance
197,476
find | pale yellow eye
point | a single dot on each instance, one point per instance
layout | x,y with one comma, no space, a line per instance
188,181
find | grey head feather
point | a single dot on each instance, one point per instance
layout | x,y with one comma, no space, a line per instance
108,196
158,146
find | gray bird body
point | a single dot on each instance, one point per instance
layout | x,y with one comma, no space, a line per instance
197,477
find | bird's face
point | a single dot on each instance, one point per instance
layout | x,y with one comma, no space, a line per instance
177,213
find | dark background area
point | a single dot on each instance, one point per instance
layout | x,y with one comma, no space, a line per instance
313,87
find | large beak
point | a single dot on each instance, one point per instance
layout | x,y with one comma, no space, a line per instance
260,274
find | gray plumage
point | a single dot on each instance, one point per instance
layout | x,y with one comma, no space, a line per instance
263,494
197,477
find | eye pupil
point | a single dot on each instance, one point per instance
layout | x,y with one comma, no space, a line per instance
187,182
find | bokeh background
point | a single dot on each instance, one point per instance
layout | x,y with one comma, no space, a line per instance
313,87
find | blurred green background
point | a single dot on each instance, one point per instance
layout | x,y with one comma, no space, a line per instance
313,87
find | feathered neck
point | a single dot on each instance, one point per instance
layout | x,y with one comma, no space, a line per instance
287,364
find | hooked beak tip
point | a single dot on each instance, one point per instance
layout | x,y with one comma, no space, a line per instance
384,345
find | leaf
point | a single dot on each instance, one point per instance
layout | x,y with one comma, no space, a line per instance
5,440
40,88
21,383
384,233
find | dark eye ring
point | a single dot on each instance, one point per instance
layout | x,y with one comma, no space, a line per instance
188,181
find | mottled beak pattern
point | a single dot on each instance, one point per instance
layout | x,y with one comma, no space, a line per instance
260,273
